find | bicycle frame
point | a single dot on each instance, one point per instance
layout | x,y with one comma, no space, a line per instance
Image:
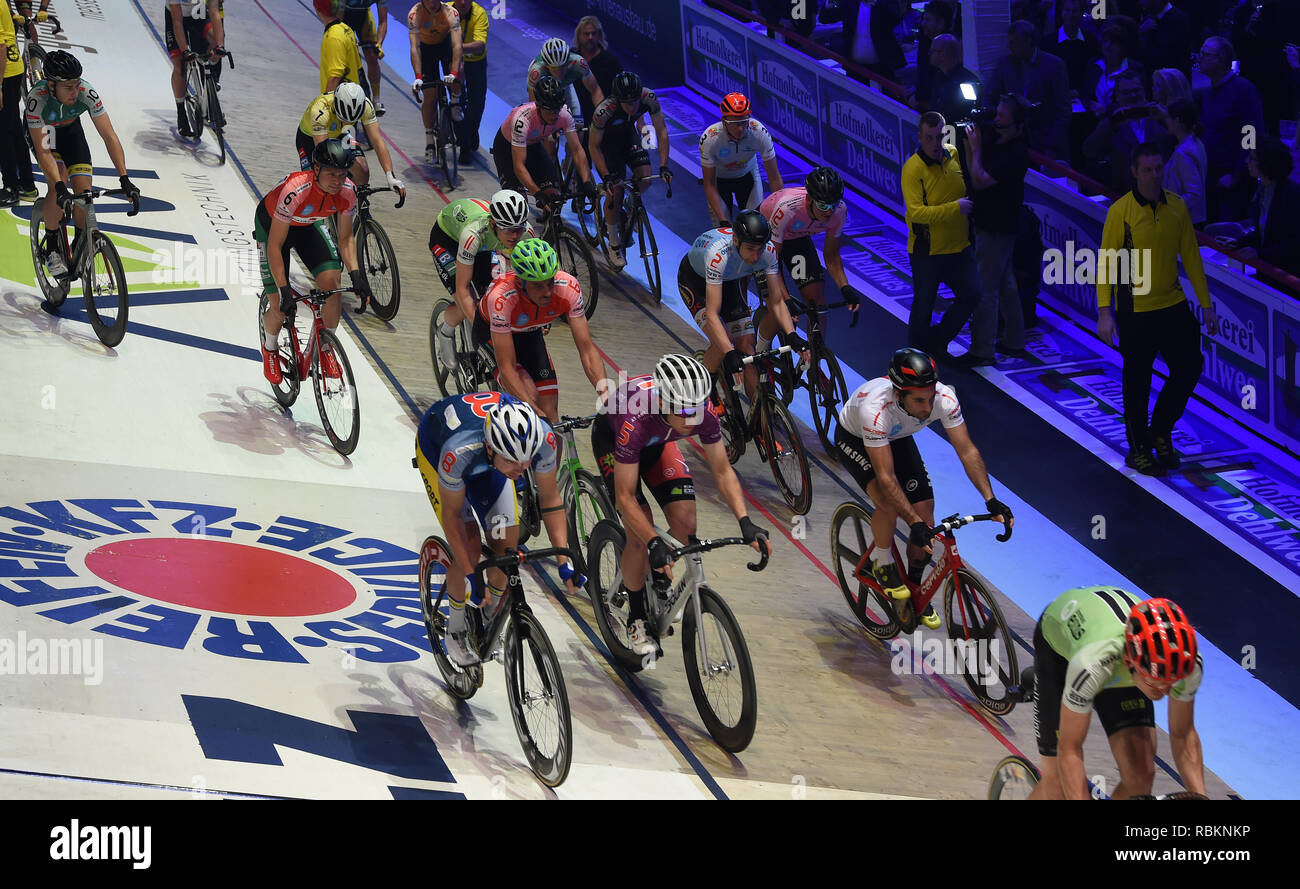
316,302
78,264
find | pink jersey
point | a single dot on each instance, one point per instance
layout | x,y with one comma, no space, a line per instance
787,212
524,127
507,309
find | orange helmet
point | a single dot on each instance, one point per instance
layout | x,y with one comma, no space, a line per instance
735,107
1159,640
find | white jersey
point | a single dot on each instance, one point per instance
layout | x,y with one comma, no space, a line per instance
732,159
873,414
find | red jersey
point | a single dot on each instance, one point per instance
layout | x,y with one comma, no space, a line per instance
508,309
297,200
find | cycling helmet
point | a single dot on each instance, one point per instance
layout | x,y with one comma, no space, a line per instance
349,102
626,87
824,185
1159,640
751,227
61,65
328,8
534,260
508,208
682,382
735,107
513,430
548,93
555,52
331,153
912,369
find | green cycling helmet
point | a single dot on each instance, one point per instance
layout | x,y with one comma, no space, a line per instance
534,260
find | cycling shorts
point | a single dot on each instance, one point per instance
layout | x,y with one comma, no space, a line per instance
536,160
69,147
745,190
909,468
662,468
197,32
362,22
313,243
734,310
445,249
531,356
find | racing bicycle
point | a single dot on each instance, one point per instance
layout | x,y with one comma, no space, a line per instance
476,367
824,380
574,254
201,103
446,146
636,221
375,255
33,54
1015,777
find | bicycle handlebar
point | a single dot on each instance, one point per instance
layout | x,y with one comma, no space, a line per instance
604,187
41,16
956,520
365,191
567,423
703,546
767,356
190,54
86,197
318,296
519,557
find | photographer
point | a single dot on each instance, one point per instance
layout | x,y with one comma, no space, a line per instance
1129,122
999,162
947,74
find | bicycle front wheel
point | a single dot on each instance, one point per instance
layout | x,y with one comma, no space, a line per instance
444,375
435,557
851,538
584,506
575,258
722,685
35,68
105,292
650,254
538,700
827,392
378,262
1014,778
448,157
608,598
787,457
530,516
287,392
987,650
336,397
54,290
216,122
194,99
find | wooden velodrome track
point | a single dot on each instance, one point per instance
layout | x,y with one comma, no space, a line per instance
832,714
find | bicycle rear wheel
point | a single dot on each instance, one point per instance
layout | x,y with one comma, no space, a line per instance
378,263
1013,778
216,122
576,259
336,397
287,392
54,290
850,538
538,700
530,515
608,598
35,69
448,158
827,392
583,508
732,421
194,99
724,689
988,651
447,378
787,457
435,557
105,292
650,254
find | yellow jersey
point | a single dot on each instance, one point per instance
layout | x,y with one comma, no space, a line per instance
320,120
13,58
340,56
473,29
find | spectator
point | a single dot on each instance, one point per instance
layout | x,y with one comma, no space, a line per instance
1165,35
1039,78
799,13
938,238
1168,85
1116,59
589,41
935,20
1227,105
1185,172
1274,232
473,47
15,162
1129,122
1072,44
946,80
1146,301
998,170
1261,30
340,56
884,53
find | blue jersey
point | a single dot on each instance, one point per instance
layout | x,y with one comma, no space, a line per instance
716,260
451,437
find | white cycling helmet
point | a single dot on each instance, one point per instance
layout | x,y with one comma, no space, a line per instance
682,382
555,52
349,102
508,208
514,431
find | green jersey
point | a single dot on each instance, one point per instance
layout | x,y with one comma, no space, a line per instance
1085,626
468,222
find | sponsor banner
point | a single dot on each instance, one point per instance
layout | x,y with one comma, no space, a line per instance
641,34
783,93
864,139
714,52
1286,371
1067,218
1236,356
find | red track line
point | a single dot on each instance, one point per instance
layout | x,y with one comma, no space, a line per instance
316,64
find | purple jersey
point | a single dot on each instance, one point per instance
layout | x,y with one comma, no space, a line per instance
633,415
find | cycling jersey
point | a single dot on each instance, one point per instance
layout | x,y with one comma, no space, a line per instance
468,223
523,126
13,61
735,159
609,114
451,436
433,27
507,309
320,120
44,109
632,412
873,414
787,212
714,257
1085,626
575,70
339,56
298,200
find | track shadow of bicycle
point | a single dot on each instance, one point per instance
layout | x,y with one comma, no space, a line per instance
254,421
854,658
30,322
162,138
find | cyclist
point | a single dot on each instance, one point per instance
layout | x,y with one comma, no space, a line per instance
1106,649
710,278
620,116
728,154
328,115
435,41
481,444
192,25
340,57
522,164
471,242
874,437
513,317
357,16
292,216
647,416
31,17
568,67
795,215
53,114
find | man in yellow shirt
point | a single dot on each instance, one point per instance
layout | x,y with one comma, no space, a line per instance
15,163
340,57
473,46
1141,291
938,239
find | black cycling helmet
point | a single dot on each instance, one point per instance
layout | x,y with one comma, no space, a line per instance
60,65
548,93
912,369
626,87
332,153
751,228
824,185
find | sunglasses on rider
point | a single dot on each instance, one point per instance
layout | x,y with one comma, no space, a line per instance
825,208
511,229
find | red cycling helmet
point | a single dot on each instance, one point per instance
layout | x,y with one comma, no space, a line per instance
1159,641
735,107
